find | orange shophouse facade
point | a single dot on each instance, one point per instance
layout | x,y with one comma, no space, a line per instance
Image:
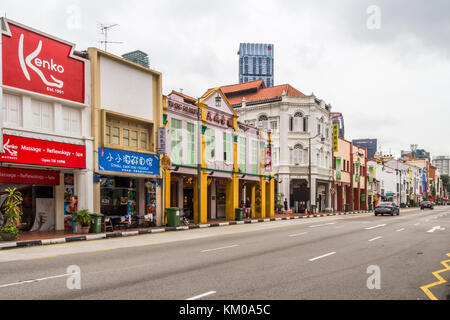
350,177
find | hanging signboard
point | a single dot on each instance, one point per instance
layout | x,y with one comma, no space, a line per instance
268,159
335,137
162,138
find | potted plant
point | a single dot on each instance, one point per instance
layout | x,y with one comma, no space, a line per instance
12,211
83,218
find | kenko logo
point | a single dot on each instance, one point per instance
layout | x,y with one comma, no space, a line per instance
39,63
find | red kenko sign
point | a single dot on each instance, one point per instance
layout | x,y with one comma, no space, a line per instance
28,176
42,152
35,62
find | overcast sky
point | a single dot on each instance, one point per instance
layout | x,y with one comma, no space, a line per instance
390,80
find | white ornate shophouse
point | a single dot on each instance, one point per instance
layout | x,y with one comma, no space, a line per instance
299,123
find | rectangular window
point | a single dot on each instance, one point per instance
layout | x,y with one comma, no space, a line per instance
143,140
242,153
134,138
192,151
254,157
274,126
12,109
176,150
126,137
108,134
71,120
115,135
210,144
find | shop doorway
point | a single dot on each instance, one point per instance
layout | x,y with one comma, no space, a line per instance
220,201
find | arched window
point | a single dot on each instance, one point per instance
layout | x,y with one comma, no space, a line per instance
298,122
298,154
263,121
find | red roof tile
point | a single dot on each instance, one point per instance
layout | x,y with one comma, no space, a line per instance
267,93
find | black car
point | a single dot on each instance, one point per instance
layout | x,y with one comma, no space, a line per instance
387,208
426,204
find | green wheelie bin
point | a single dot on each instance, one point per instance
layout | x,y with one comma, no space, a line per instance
96,224
239,212
173,217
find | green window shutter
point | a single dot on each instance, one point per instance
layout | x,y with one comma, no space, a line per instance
192,151
227,147
254,157
242,153
176,141
210,144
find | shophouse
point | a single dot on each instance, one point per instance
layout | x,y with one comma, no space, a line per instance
126,112
301,128
350,177
46,129
232,159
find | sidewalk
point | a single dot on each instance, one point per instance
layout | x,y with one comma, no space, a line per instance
29,239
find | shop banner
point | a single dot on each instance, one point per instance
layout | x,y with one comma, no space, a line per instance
36,62
338,168
43,152
268,159
335,137
127,162
28,176
357,172
370,174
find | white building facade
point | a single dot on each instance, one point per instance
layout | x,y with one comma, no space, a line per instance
302,134
45,122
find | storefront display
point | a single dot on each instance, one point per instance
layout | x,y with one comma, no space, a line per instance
118,196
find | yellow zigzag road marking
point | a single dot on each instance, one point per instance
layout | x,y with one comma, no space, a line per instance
441,280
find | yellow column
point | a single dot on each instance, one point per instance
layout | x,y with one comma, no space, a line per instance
260,202
270,199
201,217
253,198
232,197
166,193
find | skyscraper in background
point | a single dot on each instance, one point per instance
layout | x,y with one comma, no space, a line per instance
138,57
256,62
370,144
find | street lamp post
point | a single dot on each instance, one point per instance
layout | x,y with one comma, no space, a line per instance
309,169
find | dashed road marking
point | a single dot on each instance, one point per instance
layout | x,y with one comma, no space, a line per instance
232,246
202,295
373,239
377,226
322,256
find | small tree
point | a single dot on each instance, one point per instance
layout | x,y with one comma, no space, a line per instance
12,207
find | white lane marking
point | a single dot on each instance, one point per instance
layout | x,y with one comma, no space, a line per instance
297,234
322,256
380,225
436,228
202,295
373,239
35,280
207,250
325,224
401,229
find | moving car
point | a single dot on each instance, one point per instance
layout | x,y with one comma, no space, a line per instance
426,204
387,208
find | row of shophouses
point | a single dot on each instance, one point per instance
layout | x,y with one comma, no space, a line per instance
91,130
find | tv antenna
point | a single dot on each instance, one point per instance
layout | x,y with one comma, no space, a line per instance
104,30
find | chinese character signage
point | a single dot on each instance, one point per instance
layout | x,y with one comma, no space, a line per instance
162,137
43,152
335,137
35,62
127,162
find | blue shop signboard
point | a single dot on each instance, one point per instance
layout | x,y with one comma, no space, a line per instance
127,162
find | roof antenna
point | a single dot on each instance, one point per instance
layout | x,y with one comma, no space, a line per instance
104,30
